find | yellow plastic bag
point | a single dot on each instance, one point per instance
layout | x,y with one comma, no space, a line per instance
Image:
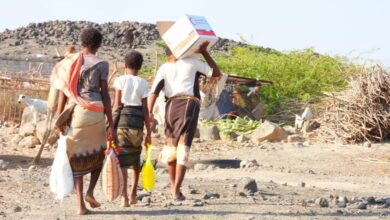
148,175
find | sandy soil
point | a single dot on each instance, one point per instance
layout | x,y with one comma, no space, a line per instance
325,171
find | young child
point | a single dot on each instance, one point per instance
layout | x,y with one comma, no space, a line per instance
130,117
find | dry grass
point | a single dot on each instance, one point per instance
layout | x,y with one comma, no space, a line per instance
361,113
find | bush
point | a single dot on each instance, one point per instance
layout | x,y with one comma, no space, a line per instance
301,75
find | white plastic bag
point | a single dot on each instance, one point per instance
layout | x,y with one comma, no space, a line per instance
61,176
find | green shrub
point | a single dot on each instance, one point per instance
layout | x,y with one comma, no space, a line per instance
301,75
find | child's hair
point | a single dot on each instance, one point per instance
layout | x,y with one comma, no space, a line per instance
134,60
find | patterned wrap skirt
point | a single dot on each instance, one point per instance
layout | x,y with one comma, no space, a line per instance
86,140
129,123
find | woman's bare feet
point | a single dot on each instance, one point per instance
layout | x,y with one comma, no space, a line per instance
92,201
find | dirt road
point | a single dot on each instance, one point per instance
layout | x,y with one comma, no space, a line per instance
290,178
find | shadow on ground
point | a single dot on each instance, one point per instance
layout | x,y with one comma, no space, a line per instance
18,161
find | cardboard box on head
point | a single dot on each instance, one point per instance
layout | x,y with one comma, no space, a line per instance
185,35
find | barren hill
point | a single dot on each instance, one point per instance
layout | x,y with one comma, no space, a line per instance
41,39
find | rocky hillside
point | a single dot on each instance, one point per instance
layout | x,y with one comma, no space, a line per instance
43,38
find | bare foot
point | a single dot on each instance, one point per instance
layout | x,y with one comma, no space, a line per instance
83,211
125,202
133,200
92,201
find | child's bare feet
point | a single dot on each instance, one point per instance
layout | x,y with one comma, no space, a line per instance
92,201
133,199
83,211
125,202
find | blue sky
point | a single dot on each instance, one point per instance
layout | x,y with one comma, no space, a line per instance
354,28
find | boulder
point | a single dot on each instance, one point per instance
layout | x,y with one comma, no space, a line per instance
268,131
249,164
248,185
322,202
16,139
211,196
27,124
27,129
361,205
29,141
209,132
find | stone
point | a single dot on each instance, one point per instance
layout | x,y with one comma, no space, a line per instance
242,139
294,138
249,164
302,184
310,126
367,144
16,139
211,196
27,129
268,131
193,191
342,199
361,205
200,167
17,209
387,202
354,199
198,203
242,194
209,132
341,204
370,200
4,165
322,202
29,141
248,185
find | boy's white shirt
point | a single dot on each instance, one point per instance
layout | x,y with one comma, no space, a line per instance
133,89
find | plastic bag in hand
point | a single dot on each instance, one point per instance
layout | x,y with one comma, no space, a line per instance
61,176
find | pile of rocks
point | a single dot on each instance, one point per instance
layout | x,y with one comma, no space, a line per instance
353,202
56,33
28,134
68,32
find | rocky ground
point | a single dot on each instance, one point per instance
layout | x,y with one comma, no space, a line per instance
227,180
43,38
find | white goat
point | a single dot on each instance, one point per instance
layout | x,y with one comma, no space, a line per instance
36,105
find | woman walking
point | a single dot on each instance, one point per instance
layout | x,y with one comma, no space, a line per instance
82,81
